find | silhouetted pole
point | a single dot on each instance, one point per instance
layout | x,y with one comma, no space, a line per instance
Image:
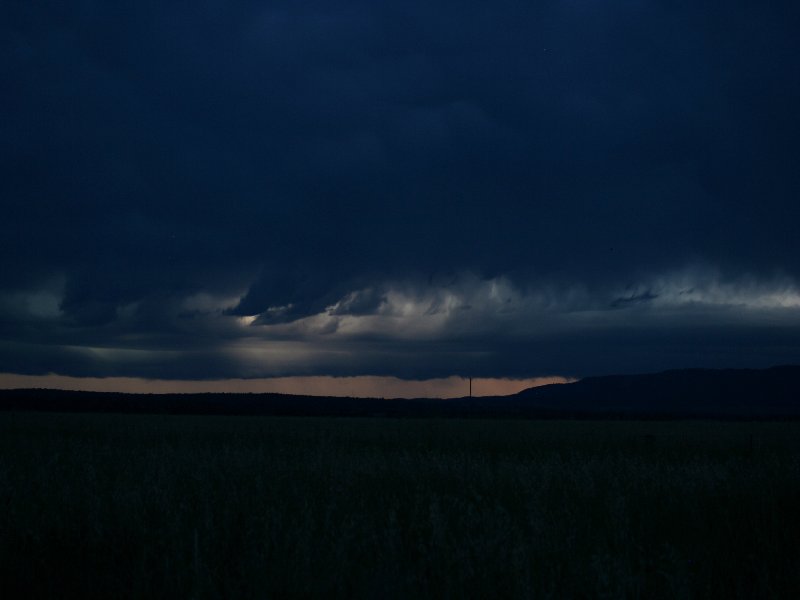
470,387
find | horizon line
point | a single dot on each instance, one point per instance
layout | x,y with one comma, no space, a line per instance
351,386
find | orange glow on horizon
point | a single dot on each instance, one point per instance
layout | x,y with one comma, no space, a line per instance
367,386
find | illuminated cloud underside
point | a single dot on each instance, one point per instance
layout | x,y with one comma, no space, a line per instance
491,328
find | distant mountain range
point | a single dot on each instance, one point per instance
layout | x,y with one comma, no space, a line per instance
688,393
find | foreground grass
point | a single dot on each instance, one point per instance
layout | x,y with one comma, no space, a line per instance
206,507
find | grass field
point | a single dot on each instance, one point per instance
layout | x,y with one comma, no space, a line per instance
115,506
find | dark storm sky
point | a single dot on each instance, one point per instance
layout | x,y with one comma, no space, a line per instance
223,189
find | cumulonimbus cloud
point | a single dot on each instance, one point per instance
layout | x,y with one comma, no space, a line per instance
234,189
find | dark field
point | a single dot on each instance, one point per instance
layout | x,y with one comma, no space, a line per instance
111,506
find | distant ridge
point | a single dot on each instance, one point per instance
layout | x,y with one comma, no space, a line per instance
690,393
687,392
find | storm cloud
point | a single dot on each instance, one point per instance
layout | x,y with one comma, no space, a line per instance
417,189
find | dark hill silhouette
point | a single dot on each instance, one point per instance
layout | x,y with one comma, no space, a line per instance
690,393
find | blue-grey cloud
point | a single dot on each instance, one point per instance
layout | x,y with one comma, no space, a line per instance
202,178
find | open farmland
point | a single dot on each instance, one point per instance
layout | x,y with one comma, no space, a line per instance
241,507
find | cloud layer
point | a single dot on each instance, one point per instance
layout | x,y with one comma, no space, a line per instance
241,189
466,325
